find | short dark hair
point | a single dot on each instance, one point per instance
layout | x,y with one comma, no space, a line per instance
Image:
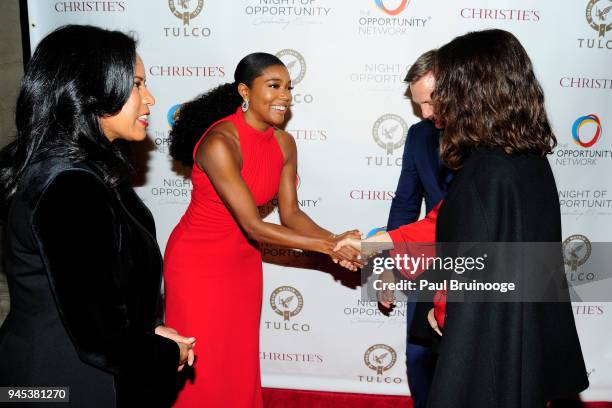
76,75
487,95
421,67
196,116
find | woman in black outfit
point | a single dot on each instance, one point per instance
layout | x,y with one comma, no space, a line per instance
497,134
83,265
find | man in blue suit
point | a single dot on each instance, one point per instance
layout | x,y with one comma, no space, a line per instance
423,176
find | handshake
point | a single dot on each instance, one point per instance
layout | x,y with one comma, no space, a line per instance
349,252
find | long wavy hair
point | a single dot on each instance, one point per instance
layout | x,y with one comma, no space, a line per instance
487,95
196,116
76,75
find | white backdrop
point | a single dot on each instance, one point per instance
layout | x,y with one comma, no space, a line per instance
347,59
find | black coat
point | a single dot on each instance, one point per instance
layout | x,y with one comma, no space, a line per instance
502,354
84,275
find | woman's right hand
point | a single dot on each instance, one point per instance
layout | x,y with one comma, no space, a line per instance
185,344
186,355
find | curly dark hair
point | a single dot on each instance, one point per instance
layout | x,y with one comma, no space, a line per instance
488,96
194,117
76,75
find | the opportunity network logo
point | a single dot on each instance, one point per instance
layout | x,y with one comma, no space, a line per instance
579,133
387,19
389,9
587,130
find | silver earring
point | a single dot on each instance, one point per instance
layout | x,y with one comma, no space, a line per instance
245,105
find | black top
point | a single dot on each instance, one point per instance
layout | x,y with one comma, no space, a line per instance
84,274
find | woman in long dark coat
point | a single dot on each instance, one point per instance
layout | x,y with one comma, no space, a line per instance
83,265
497,134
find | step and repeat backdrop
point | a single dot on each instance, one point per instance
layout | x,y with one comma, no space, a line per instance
347,59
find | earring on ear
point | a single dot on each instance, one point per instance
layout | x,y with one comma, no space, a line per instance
245,105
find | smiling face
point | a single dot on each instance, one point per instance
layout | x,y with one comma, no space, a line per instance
131,122
421,91
269,97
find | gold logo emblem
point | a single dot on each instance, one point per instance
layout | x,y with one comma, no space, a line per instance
576,251
390,132
380,358
187,10
597,15
287,302
295,63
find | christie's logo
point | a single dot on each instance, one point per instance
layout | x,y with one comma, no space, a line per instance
89,6
576,251
371,195
291,357
308,135
380,358
578,132
500,14
392,11
598,16
584,82
186,71
287,302
186,11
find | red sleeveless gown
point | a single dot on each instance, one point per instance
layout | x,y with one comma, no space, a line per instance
213,280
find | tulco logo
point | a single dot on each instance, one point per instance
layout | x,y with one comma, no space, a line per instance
597,17
598,13
295,63
389,132
186,11
576,251
579,137
390,10
287,302
380,358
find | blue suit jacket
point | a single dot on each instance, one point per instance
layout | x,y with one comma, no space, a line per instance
423,175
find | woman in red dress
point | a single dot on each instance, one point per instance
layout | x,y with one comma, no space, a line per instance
213,267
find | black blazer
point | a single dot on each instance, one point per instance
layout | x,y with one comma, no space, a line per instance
84,275
505,355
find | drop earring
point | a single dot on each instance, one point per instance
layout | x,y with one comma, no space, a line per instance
245,105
